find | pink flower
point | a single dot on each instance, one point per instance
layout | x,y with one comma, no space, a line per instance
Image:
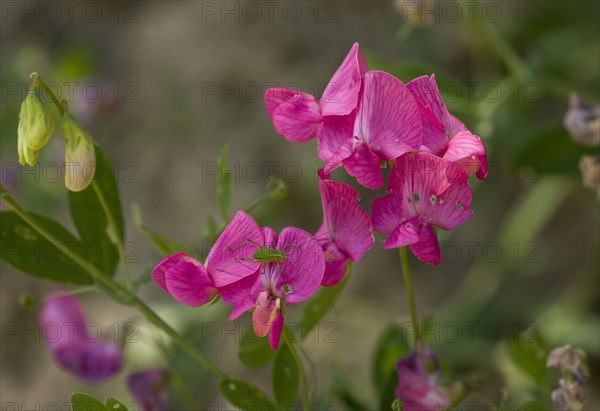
64,330
443,134
387,125
425,191
250,268
300,117
418,388
346,232
149,389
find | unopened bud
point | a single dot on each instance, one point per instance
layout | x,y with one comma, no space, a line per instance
583,121
80,157
36,125
278,190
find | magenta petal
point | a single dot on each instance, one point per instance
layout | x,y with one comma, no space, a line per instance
341,94
468,152
335,270
387,213
264,313
275,96
158,274
365,166
241,294
344,219
407,233
230,259
331,136
189,283
62,321
388,118
149,389
275,330
298,118
427,249
303,268
91,361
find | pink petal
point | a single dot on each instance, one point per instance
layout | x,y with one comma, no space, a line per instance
264,313
275,330
427,248
388,118
62,321
341,95
468,152
230,259
331,136
387,213
303,268
91,361
298,118
344,151
406,233
242,294
364,165
158,274
275,96
335,270
347,223
189,283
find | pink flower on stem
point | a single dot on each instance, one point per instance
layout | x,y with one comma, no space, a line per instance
64,330
250,268
346,232
425,191
387,125
443,134
418,387
300,117
149,389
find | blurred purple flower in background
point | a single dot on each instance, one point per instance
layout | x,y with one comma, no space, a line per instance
149,389
64,330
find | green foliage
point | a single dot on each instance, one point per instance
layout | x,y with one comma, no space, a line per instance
224,184
254,352
286,378
83,402
244,395
316,308
391,346
114,405
23,247
529,353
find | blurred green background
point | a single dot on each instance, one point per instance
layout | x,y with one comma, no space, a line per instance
163,85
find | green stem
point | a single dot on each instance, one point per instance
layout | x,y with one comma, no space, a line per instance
119,291
303,380
409,292
37,82
113,227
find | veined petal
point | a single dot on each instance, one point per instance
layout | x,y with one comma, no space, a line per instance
333,132
275,96
388,117
158,274
241,294
364,165
304,265
190,284
298,118
387,213
230,259
264,313
427,249
467,151
275,330
345,220
406,233
341,94
335,270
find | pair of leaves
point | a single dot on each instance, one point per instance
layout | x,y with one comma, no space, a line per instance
84,402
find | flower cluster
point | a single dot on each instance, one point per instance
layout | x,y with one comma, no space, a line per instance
572,363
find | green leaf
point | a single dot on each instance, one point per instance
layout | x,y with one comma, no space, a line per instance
83,402
90,217
164,245
344,391
253,351
114,405
319,305
391,346
529,352
210,232
244,395
224,184
286,378
24,248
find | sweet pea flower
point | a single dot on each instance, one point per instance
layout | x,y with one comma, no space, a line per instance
194,284
419,388
425,191
387,125
149,389
63,324
346,233
443,134
300,117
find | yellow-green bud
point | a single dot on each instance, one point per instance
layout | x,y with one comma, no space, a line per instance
26,155
80,157
36,123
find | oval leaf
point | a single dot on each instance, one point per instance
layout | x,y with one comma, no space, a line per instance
392,345
24,248
286,377
83,402
244,395
319,305
253,351
114,405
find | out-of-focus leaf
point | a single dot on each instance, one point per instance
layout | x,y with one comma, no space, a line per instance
83,402
224,183
392,345
529,352
162,244
210,232
254,352
114,405
286,378
319,305
23,247
89,215
244,395
344,392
